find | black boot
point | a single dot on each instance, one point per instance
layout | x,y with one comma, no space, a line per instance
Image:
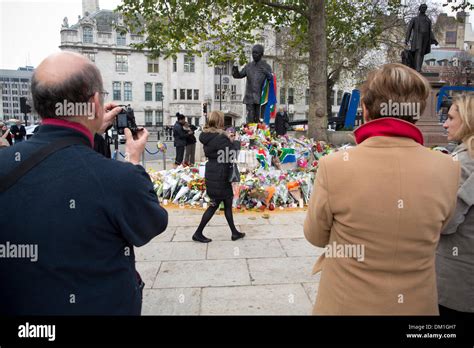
200,238
237,235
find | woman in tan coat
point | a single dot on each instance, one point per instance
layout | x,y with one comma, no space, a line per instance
380,206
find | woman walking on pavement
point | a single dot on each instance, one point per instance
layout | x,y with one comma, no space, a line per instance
218,147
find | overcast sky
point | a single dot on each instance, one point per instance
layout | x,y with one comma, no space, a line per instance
29,29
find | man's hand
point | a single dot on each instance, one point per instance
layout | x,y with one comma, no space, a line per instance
111,111
135,147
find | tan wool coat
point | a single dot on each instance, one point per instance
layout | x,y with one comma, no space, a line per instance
388,197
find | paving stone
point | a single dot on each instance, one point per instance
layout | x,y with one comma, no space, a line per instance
281,270
288,299
180,221
171,251
284,218
300,247
179,274
148,272
244,248
165,236
273,231
183,301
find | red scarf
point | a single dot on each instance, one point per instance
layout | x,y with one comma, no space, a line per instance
388,127
71,125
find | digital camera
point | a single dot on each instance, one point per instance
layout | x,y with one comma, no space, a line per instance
126,119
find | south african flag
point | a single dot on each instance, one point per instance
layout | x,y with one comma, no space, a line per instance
268,99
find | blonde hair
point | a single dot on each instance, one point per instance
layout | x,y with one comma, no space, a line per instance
215,122
392,84
465,106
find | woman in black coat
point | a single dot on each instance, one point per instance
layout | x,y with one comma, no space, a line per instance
220,148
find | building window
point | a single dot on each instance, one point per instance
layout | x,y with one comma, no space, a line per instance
339,97
159,118
116,88
148,92
127,91
158,91
291,96
188,63
189,94
282,96
182,94
306,96
121,62
196,94
175,64
148,118
153,66
87,36
223,69
121,39
233,92
175,94
451,37
90,56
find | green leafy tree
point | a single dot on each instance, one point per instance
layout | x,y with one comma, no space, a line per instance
460,5
334,33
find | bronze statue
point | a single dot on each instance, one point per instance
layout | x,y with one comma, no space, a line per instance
422,37
256,73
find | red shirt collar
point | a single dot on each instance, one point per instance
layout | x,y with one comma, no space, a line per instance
71,125
388,127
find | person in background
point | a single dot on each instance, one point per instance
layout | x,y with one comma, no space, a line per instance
190,144
218,145
455,254
401,196
180,139
18,131
281,121
5,134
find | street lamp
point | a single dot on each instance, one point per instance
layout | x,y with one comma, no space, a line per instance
220,68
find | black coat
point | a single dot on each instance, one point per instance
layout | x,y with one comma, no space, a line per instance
15,129
191,139
218,167
180,135
281,123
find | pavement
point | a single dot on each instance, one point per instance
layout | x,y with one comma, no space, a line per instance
266,273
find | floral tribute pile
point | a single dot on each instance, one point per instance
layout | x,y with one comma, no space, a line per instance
274,172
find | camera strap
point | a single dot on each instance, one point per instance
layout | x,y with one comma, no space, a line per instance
37,157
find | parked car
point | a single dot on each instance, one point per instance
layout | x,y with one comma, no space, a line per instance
31,130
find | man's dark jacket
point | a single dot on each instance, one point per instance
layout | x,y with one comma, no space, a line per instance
15,129
85,213
180,135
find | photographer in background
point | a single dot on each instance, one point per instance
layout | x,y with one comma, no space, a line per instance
83,212
180,138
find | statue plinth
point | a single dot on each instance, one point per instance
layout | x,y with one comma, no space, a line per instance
433,131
